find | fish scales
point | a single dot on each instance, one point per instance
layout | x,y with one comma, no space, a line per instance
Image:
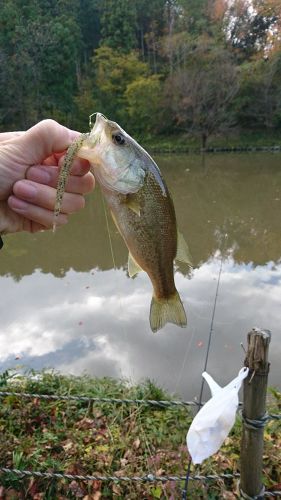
151,237
142,209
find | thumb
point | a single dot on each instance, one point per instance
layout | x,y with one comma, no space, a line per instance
44,139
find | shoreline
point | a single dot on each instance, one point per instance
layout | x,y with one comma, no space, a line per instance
213,149
248,142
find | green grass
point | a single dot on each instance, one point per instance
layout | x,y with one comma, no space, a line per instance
83,438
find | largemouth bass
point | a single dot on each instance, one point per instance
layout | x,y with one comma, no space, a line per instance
142,209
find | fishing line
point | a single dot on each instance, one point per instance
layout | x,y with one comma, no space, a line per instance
189,345
108,232
120,302
112,253
211,331
125,331
184,491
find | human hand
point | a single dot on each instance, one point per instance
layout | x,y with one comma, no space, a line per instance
29,169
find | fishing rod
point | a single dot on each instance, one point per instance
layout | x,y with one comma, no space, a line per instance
211,331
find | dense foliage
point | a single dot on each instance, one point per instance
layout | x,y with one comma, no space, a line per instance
157,66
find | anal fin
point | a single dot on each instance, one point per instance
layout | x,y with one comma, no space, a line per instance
183,253
133,267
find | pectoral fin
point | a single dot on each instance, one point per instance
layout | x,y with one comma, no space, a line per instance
133,203
133,267
183,253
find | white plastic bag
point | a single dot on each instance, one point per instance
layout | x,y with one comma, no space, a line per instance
214,421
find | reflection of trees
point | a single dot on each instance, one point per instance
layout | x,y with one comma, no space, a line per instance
82,245
233,194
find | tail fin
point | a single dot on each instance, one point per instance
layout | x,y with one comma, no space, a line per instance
164,311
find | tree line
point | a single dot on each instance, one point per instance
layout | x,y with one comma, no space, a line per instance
158,67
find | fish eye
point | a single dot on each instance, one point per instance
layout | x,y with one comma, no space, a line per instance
118,139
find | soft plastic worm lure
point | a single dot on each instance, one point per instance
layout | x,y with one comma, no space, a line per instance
64,173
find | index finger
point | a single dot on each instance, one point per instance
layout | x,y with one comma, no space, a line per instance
79,167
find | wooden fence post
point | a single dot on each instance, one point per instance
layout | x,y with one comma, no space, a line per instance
254,410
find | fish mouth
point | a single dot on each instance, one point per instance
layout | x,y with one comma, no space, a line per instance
104,124
100,118
92,139
101,126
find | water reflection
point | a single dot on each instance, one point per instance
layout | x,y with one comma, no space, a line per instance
73,311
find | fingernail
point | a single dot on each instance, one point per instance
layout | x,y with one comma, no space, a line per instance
24,189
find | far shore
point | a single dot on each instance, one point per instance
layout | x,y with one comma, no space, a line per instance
232,143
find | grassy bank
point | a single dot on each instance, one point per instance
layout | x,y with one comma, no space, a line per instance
188,143
82,438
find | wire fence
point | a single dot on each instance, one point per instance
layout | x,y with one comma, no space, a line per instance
141,402
149,478
89,399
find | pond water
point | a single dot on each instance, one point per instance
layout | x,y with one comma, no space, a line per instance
65,305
